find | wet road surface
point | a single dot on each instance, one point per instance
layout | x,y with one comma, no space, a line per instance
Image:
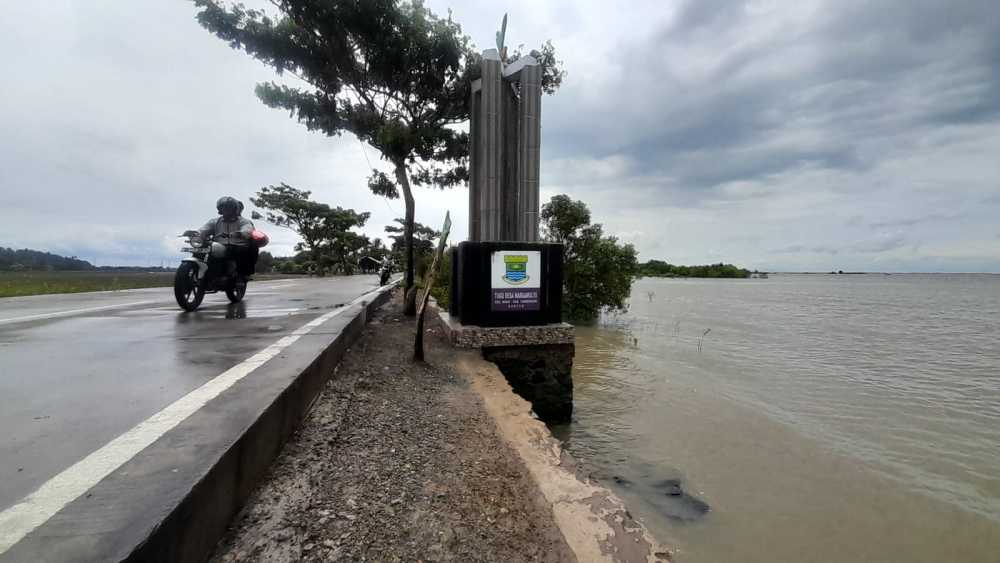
77,371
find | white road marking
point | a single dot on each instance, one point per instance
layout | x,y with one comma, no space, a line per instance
36,508
70,312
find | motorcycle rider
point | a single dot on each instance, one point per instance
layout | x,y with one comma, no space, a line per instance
233,230
386,270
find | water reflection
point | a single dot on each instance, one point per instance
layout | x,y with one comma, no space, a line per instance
236,310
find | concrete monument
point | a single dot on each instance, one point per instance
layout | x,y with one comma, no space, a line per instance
506,285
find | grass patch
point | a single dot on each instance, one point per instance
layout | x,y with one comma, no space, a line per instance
19,284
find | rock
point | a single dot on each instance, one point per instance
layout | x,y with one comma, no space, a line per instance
619,480
678,504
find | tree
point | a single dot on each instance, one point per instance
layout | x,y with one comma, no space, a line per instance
371,255
659,268
597,270
288,207
326,232
265,263
423,237
391,72
26,259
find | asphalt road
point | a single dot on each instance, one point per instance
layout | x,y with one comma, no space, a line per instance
77,371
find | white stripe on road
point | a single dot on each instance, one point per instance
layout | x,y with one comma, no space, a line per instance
70,312
36,508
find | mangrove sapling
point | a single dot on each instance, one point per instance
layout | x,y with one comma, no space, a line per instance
702,338
429,279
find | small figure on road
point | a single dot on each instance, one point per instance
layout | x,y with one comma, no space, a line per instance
386,270
234,231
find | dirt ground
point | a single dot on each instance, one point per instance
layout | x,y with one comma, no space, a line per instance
396,462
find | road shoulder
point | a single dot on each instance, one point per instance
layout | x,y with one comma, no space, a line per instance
397,462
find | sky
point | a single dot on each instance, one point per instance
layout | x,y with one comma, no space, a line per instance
800,135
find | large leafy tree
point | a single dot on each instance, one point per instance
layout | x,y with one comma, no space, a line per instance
327,236
388,71
597,270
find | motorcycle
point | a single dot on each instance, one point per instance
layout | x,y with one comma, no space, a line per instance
384,273
207,271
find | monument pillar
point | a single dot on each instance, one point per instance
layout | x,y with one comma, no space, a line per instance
505,136
506,286
529,125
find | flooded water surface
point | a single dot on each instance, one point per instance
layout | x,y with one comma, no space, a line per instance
801,418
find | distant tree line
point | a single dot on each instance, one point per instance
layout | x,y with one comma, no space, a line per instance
25,259
659,268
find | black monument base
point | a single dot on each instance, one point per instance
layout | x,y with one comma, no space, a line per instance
506,283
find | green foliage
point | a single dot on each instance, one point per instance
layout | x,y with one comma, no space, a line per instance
16,284
288,266
265,263
390,72
658,268
442,284
328,241
562,218
25,259
371,255
597,270
423,238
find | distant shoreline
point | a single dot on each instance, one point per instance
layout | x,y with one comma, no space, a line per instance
778,273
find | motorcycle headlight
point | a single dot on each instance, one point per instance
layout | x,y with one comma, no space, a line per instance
218,250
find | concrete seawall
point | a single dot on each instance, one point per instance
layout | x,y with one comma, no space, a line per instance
594,521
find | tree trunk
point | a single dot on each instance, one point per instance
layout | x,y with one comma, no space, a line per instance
410,294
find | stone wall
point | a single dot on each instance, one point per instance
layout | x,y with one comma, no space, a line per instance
542,374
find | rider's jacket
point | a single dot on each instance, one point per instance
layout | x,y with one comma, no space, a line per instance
226,231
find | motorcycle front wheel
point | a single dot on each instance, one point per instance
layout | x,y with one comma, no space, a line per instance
236,293
187,290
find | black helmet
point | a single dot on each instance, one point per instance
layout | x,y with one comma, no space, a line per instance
227,202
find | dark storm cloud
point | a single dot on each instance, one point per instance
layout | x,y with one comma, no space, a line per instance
801,121
855,80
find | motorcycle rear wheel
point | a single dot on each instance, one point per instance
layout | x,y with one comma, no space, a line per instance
188,292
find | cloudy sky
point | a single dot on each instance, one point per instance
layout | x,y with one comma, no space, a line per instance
779,135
